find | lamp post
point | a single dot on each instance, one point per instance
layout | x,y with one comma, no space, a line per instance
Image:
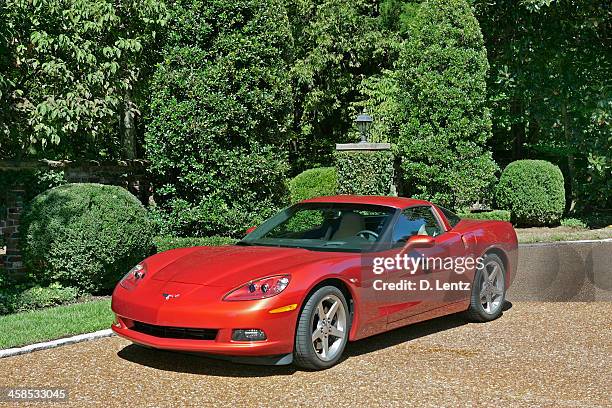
363,122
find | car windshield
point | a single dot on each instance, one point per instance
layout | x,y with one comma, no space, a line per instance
324,227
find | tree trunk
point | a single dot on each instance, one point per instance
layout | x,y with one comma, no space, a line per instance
517,130
128,135
567,132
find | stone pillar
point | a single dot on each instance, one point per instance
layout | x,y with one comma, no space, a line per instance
9,229
365,169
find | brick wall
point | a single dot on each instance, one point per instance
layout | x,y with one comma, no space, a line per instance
9,230
130,175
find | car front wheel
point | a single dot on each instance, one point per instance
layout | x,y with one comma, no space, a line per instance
322,329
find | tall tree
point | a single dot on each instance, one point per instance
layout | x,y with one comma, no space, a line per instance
432,105
337,44
5,81
551,88
74,66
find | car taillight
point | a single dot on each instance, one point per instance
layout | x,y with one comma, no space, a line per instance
134,276
260,288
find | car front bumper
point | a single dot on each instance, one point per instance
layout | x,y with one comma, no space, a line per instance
201,308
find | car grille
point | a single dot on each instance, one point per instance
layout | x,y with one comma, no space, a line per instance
169,332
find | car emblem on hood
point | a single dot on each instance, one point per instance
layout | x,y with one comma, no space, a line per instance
169,296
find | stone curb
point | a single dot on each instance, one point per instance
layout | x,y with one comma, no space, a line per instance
553,243
55,343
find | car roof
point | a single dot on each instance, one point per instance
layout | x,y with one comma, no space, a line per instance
395,202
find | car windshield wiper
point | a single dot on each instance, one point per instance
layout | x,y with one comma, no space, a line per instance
332,243
268,244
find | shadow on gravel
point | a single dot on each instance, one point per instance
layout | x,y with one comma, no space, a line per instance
408,333
195,364
403,334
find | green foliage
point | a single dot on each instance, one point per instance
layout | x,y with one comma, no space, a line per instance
337,44
365,173
322,181
432,106
573,223
219,116
5,81
33,182
498,215
37,297
595,219
550,89
533,191
72,68
383,102
84,235
166,243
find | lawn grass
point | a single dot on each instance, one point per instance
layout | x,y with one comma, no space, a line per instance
24,328
543,234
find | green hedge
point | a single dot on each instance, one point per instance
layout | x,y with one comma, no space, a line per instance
166,243
498,215
364,173
533,191
36,297
84,235
322,181
219,116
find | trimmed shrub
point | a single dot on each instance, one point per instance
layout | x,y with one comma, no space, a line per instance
498,215
219,116
434,105
166,243
365,173
84,235
322,181
533,191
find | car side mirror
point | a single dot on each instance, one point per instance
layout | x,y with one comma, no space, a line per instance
249,230
419,241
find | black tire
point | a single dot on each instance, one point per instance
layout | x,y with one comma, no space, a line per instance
476,312
304,354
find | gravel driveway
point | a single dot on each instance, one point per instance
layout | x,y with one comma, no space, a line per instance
543,354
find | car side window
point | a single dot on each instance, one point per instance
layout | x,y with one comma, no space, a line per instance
453,219
416,221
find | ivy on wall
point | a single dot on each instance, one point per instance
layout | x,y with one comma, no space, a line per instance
365,172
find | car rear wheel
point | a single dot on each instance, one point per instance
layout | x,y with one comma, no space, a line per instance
488,290
322,329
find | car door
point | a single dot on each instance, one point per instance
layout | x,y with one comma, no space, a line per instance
407,302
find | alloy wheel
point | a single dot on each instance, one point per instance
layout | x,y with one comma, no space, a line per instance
329,327
492,288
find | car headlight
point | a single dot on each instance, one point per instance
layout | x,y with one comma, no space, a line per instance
260,288
134,276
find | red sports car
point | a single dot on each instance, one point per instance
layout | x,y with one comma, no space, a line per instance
316,275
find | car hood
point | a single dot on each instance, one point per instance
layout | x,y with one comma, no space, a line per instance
230,266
